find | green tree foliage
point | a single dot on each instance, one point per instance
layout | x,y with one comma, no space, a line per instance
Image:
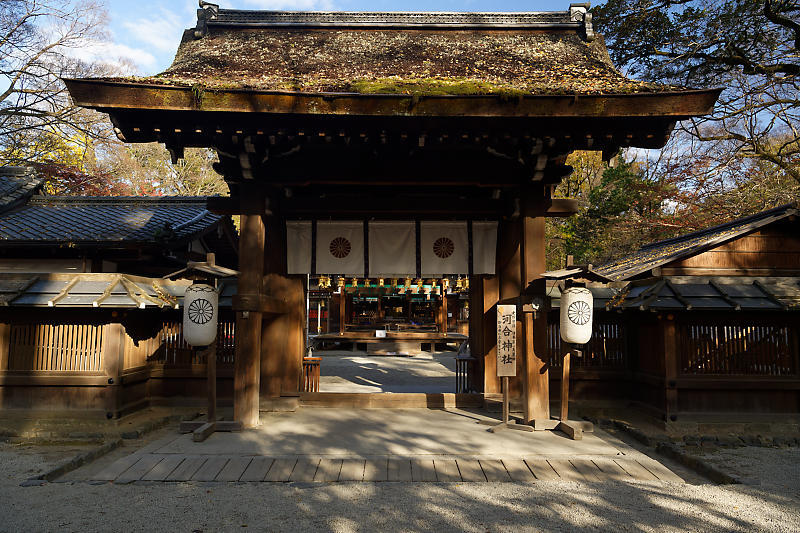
750,48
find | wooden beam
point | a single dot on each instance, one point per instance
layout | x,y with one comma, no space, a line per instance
562,207
60,379
110,96
573,430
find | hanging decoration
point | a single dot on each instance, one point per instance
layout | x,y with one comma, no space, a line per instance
393,249
200,314
577,310
340,248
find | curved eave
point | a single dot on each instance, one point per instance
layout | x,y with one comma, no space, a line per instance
112,95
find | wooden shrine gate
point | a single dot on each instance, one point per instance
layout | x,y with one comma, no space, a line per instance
428,121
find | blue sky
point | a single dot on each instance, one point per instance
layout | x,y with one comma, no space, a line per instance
146,33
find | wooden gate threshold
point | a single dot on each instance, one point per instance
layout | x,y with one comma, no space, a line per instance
376,400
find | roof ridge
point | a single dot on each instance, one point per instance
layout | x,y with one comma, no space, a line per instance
576,17
41,199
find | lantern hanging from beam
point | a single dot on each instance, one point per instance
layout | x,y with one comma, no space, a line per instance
200,314
577,313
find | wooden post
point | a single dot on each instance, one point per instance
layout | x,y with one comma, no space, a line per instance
283,337
113,356
565,388
211,366
506,400
536,384
444,311
5,346
671,358
247,365
509,271
483,318
342,311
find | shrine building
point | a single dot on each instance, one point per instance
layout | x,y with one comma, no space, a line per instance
408,154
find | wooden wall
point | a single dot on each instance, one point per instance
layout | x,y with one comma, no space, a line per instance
774,250
86,364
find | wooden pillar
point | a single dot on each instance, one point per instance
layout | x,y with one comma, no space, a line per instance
211,373
283,336
342,310
113,359
5,346
484,294
671,362
536,384
509,261
444,311
247,365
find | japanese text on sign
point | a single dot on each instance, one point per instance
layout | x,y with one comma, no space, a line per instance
506,340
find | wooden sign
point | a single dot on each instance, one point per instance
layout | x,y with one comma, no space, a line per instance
506,340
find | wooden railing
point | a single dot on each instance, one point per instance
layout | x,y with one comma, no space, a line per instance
176,352
55,347
765,349
311,374
606,349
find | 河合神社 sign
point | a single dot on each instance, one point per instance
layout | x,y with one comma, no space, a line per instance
506,340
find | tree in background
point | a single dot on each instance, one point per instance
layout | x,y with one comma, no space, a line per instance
649,196
751,48
149,170
38,40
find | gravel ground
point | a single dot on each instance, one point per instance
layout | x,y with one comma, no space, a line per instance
774,469
541,506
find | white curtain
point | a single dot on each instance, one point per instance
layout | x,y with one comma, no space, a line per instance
484,247
444,248
392,249
340,248
298,247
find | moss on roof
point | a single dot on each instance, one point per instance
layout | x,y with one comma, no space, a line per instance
398,62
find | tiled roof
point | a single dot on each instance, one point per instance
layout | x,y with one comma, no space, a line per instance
99,291
660,253
694,293
17,184
712,294
89,220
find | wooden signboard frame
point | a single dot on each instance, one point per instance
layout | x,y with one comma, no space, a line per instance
507,362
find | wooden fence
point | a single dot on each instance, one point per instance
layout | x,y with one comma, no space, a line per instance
174,350
79,348
55,347
605,350
765,349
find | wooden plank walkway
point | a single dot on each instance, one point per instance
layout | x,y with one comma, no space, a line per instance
177,467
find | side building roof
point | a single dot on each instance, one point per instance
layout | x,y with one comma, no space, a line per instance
86,220
660,253
17,185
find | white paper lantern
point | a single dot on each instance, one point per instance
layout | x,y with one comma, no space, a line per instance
577,312
200,314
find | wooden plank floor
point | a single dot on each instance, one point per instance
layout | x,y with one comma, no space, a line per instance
177,467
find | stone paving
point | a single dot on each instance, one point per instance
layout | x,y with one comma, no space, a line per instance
381,445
